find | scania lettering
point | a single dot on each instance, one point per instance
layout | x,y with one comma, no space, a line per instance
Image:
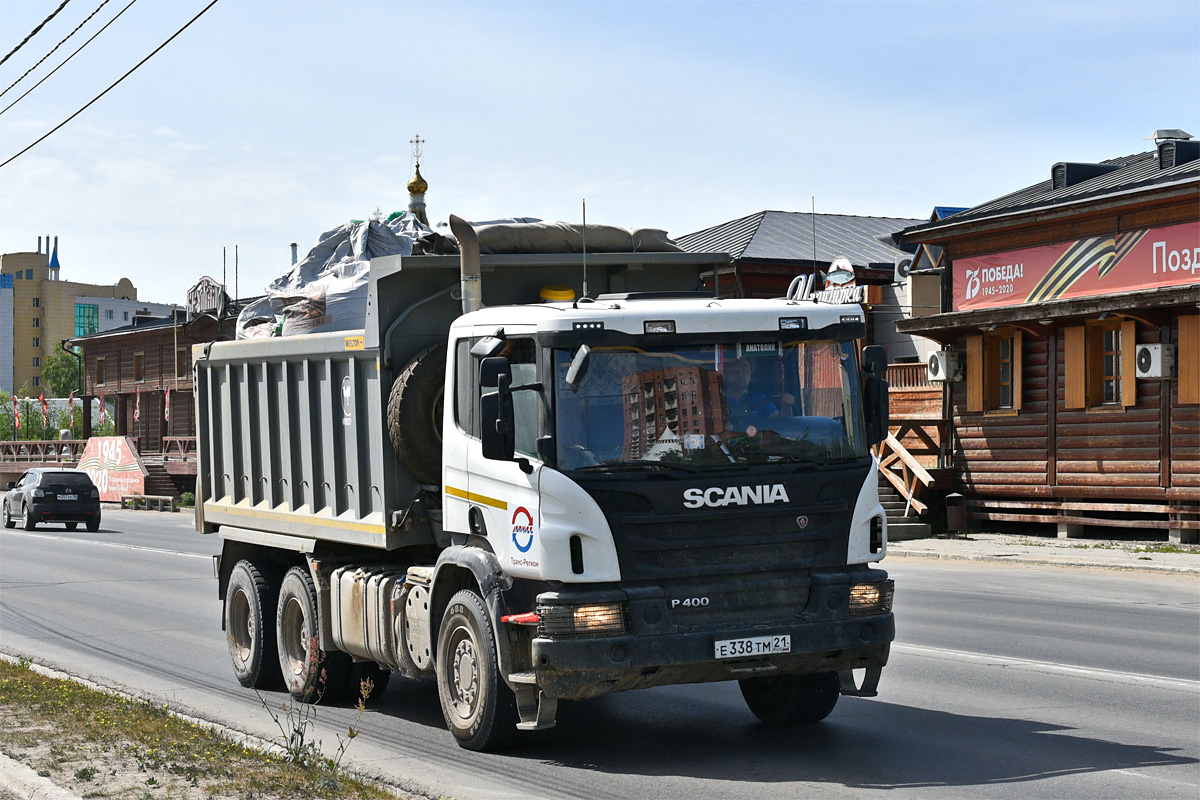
538,502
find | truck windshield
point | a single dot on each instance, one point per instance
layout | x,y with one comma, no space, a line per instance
709,406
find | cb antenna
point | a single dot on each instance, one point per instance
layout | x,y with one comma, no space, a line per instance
585,293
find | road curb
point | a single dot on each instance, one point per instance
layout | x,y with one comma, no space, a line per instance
1044,562
22,781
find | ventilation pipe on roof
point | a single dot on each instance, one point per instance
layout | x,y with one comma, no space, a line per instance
1066,173
1173,152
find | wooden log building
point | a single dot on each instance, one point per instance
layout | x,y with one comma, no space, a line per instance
1072,309
132,368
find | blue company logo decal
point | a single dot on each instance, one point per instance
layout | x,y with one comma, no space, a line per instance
523,530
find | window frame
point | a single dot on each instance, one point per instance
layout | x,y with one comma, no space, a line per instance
139,366
101,371
1083,359
984,385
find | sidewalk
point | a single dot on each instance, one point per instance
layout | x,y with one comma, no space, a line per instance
1048,551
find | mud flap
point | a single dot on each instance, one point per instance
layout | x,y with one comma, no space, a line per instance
869,685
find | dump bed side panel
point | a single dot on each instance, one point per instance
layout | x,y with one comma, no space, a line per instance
291,438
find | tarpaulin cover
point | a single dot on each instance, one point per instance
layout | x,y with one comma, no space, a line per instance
327,290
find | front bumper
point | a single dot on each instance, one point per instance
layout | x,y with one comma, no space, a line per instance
574,669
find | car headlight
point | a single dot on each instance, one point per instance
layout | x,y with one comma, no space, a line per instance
871,598
594,619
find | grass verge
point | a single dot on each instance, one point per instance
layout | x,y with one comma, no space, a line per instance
101,745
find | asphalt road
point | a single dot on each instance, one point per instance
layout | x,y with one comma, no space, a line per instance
1005,682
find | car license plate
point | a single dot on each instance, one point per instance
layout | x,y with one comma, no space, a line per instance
753,646
68,497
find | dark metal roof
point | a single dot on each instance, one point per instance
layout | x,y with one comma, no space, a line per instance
788,236
1137,171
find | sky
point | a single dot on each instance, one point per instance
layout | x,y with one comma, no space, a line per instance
268,122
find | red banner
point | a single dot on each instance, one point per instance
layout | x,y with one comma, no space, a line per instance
114,466
1143,259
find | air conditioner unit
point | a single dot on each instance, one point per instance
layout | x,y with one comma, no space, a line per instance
943,366
904,265
1154,360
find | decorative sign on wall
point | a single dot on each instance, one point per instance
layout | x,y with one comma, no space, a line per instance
1141,259
114,466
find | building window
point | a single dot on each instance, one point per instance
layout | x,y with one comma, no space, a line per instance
181,363
126,317
37,381
37,362
37,322
100,376
37,341
37,302
1098,361
28,274
994,371
87,319
1187,359
137,366
108,313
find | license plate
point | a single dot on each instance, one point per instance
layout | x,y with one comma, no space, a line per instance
68,497
752,646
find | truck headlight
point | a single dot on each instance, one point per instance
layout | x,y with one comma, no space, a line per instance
871,598
596,619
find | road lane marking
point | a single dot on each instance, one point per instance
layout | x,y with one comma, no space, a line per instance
1111,676
108,544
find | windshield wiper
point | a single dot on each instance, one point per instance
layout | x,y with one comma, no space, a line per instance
636,466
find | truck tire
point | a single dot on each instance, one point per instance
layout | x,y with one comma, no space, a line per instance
310,674
480,709
414,414
249,600
787,699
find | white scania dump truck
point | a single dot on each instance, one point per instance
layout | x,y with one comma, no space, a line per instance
542,501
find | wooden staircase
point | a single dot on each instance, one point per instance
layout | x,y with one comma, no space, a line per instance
902,520
158,481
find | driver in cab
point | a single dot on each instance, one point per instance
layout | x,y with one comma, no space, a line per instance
746,409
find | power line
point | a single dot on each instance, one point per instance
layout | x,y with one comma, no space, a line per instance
67,59
110,88
33,32
60,44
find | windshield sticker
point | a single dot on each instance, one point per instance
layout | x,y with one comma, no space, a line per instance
522,529
693,441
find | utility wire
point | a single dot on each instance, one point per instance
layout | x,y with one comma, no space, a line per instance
47,135
60,44
33,32
68,58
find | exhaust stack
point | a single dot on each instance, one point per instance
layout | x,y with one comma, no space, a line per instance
468,254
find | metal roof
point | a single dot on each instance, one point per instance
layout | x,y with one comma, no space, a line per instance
788,236
1137,171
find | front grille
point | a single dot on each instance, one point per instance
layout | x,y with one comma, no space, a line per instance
758,598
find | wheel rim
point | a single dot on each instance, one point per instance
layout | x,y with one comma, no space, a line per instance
241,628
295,637
464,673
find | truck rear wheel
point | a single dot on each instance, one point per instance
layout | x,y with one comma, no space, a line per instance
414,414
310,674
787,699
480,709
249,600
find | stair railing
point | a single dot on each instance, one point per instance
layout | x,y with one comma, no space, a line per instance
899,465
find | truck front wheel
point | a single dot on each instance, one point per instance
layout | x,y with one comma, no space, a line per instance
480,709
309,673
249,601
786,699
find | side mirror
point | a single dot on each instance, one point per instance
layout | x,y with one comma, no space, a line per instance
579,367
874,358
498,429
492,369
12,484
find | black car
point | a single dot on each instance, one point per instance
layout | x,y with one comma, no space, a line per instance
52,495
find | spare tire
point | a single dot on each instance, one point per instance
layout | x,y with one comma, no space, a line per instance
414,414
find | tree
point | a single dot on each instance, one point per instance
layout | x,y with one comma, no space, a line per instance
60,374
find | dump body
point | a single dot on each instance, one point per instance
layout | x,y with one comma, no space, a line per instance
292,430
